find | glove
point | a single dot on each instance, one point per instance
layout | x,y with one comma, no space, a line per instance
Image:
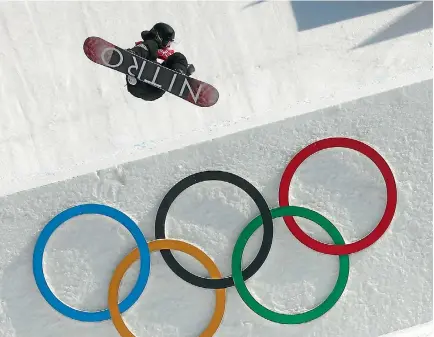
147,49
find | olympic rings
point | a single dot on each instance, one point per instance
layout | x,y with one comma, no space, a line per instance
330,301
238,277
158,245
259,200
385,170
49,230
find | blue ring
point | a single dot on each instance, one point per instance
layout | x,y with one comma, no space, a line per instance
59,219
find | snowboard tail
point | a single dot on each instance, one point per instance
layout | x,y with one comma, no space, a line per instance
187,88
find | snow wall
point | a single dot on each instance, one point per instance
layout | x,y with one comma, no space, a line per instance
71,135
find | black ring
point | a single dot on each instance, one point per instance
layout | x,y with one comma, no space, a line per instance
257,197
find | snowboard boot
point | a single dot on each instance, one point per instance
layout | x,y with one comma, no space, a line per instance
190,69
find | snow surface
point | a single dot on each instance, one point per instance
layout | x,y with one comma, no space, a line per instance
70,123
423,330
62,115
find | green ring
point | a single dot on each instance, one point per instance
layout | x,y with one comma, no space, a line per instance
330,301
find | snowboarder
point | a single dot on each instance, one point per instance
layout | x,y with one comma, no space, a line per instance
155,44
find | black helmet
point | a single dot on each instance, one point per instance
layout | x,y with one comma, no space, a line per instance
164,34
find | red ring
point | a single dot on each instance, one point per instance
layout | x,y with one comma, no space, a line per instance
390,204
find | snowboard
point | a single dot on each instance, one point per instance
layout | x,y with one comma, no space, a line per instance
187,88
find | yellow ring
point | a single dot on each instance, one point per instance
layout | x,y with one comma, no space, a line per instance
154,246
